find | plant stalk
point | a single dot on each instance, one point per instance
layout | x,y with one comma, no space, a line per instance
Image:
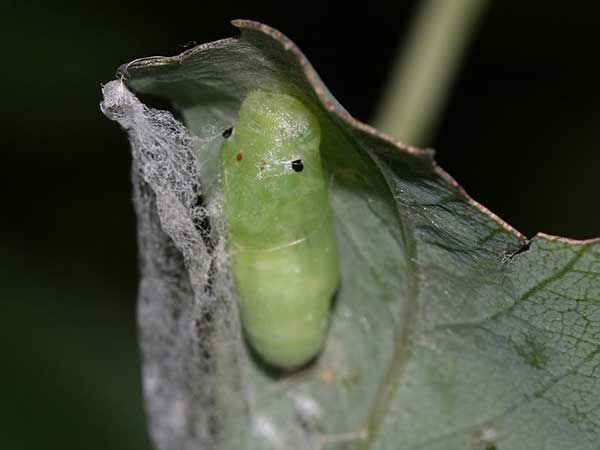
426,67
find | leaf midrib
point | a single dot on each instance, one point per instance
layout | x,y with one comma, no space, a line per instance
395,371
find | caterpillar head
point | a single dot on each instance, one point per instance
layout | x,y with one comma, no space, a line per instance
271,168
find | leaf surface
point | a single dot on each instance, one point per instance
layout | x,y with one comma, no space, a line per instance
450,330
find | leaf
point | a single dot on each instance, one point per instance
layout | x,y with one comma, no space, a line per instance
450,329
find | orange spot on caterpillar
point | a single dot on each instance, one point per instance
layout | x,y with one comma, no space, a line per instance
238,157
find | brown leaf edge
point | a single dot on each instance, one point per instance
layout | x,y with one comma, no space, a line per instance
330,105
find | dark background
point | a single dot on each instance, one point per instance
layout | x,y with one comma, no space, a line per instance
520,133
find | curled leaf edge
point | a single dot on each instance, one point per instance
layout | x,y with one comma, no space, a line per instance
330,106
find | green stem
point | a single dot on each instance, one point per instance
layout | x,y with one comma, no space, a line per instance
423,74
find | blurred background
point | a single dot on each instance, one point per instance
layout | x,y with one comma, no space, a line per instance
520,132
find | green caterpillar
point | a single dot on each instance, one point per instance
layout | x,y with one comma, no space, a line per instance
281,238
